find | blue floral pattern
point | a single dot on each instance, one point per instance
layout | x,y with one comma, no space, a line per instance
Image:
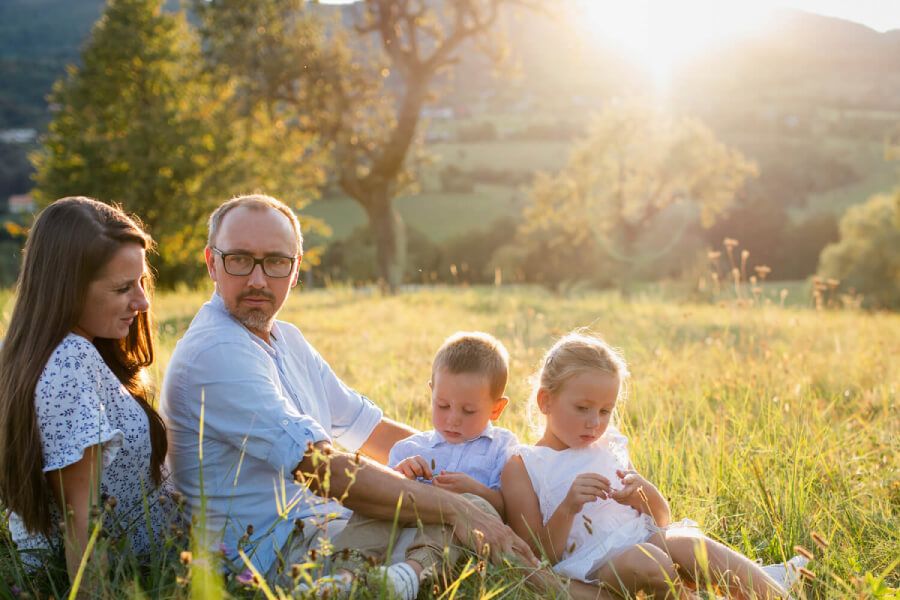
81,403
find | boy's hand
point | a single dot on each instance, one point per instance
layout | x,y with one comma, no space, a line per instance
414,467
455,481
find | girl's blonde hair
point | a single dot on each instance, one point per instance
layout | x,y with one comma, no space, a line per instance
573,354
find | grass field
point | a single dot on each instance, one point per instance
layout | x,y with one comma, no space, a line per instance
762,424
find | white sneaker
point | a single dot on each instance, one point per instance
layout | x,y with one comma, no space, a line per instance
402,580
787,575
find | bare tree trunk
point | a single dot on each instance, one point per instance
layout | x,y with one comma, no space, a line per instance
389,232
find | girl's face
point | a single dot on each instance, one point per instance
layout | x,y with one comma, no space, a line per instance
579,413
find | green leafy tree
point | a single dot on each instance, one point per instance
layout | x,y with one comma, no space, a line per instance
867,257
635,163
140,124
361,88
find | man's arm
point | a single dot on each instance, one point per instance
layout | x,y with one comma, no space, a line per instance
387,433
374,490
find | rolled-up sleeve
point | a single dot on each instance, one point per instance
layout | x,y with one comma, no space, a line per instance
353,416
243,407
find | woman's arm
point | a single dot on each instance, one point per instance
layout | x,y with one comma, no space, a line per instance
524,511
76,489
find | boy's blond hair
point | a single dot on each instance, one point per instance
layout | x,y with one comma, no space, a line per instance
474,352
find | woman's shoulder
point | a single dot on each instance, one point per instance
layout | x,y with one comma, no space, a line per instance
74,356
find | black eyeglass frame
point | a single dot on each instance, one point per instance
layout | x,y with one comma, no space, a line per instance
256,261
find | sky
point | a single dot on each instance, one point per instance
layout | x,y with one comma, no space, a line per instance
880,15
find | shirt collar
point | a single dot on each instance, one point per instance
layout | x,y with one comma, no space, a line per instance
436,438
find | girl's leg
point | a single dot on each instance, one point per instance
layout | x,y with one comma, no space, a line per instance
725,567
643,567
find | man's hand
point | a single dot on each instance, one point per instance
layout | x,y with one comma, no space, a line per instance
455,481
414,467
488,536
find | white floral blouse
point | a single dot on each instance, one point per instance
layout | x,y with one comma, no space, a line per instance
80,403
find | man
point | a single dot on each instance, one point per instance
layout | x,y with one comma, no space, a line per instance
248,402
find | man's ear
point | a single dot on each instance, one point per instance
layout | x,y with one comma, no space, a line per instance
543,400
210,263
499,405
296,277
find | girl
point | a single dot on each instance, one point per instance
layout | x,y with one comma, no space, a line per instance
76,423
580,502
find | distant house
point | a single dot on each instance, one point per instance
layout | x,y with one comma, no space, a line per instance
21,203
18,136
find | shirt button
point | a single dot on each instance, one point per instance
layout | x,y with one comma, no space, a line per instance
284,422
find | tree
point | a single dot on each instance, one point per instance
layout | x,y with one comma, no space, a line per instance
362,93
636,163
139,124
867,257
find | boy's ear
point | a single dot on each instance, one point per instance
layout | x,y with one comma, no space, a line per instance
499,405
543,400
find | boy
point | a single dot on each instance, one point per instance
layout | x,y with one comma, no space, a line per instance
464,453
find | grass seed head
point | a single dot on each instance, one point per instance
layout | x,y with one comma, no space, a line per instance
819,539
806,573
802,551
186,557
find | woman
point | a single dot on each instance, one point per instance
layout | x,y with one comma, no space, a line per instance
76,425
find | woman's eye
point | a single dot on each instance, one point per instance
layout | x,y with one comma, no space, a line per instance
468,412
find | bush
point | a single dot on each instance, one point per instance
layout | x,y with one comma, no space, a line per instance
867,257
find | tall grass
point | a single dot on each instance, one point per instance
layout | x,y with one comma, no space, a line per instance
766,425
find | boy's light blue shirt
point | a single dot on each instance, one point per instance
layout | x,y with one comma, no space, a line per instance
261,405
481,458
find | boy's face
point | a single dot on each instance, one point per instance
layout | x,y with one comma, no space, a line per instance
461,405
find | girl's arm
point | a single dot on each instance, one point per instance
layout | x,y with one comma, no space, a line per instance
524,511
651,502
76,489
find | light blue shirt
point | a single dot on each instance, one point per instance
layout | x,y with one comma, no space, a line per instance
481,458
262,404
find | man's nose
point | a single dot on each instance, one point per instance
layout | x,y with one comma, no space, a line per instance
256,278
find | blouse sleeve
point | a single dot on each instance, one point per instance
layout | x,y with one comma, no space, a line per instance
70,406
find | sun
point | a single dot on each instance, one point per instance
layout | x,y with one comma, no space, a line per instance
660,35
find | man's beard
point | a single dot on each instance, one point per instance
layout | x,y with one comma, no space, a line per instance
257,319
254,318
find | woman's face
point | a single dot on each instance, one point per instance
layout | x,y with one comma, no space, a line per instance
116,297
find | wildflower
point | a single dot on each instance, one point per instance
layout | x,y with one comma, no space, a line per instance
15,590
112,502
313,554
762,271
714,255
730,242
803,552
186,557
295,571
745,254
246,577
833,283
250,530
298,525
95,512
223,548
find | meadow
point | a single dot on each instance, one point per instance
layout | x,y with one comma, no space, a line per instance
771,427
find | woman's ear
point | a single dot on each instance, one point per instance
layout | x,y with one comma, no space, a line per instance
543,400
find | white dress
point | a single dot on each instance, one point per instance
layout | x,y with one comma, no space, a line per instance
81,403
603,528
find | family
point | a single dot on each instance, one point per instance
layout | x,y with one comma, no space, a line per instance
256,432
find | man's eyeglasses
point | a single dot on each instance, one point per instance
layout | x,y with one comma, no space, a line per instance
240,264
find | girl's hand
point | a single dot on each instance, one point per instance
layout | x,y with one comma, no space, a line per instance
455,481
414,467
631,483
587,487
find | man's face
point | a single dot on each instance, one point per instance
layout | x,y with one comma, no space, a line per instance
253,299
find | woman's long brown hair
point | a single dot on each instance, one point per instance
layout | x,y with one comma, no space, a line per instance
70,243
